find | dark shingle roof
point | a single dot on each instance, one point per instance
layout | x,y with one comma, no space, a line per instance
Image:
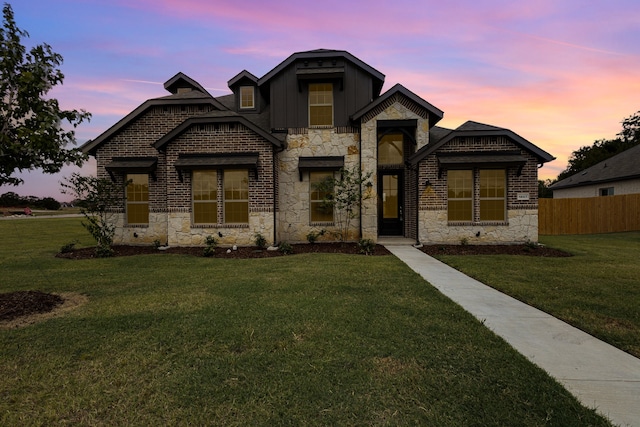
625,165
377,76
475,129
435,114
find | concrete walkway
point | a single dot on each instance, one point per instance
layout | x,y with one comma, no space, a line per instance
598,374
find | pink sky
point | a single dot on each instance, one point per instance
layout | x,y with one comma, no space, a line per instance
560,73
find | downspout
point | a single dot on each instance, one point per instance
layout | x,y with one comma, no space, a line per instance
417,171
276,189
360,167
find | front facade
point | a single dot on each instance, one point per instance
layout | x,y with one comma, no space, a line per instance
249,163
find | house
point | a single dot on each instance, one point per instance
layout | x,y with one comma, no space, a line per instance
616,175
247,163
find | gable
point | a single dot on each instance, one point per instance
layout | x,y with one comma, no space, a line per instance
194,96
479,131
399,93
216,118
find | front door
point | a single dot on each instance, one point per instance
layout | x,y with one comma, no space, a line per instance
390,203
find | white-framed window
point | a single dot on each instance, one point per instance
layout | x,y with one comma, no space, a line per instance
247,97
137,198
608,191
320,104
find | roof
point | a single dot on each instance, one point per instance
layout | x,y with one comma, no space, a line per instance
475,129
216,117
435,114
378,77
242,75
197,95
622,166
181,80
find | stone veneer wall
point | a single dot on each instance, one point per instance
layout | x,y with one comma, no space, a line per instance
396,108
522,227
522,215
293,217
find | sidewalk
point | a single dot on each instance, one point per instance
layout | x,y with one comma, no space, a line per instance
598,374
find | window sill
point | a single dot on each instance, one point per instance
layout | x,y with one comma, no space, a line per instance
476,223
137,225
219,225
322,224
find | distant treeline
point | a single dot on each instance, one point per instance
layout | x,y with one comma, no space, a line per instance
13,200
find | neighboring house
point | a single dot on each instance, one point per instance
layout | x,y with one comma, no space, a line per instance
617,175
247,163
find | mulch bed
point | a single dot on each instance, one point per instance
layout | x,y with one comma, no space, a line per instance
526,250
23,303
241,252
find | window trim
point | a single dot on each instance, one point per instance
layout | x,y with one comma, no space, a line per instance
241,98
226,201
195,202
503,198
331,104
605,191
129,202
313,201
459,199
476,198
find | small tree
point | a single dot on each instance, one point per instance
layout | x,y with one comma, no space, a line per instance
344,196
31,133
99,196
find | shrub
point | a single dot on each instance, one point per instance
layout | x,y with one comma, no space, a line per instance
285,248
69,247
100,196
211,243
156,244
367,246
260,240
312,236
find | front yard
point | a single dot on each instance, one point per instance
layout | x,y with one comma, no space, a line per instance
311,339
596,290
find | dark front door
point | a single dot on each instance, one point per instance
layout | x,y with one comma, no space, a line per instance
390,203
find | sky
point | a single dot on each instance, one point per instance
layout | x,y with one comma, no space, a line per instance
560,73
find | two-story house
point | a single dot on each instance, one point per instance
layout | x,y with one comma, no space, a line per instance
246,163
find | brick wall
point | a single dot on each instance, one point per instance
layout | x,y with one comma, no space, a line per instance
521,215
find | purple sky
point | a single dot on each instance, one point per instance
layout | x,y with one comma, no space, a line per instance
561,73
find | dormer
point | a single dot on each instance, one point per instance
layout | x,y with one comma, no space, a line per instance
181,83
245,90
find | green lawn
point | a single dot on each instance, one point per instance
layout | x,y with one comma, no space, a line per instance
597,290
322,339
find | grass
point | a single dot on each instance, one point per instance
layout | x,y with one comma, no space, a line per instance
176,340
596,290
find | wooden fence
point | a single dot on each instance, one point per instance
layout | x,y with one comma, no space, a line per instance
589,215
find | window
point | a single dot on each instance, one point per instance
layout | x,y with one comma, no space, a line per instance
492,195
247,97
137,199
460,195
320,104
390,150
606,191
205,197
319,211
236,196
